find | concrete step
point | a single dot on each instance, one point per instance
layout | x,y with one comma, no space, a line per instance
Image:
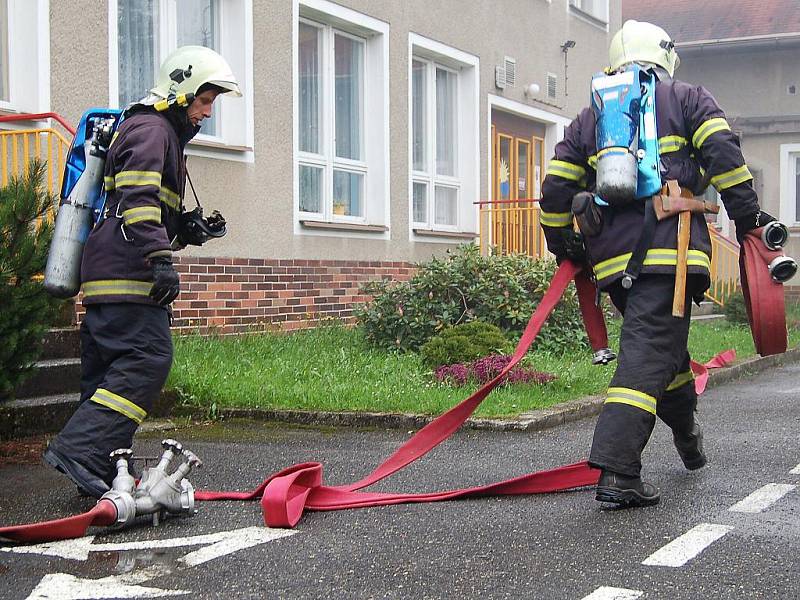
34,416
51,377
63,342
705,308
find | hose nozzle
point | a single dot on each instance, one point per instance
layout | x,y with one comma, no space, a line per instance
782,268
774,235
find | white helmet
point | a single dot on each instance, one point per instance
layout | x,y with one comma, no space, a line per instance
638,41
185,71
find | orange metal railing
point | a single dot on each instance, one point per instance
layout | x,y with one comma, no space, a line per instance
19,146
513,227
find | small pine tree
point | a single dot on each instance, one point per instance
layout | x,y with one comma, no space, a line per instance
26,309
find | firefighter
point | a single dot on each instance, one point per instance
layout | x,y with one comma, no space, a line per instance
127,276
653,377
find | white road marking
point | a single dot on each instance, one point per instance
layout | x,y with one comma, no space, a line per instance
795,471
613,593
68,587
684,548
221,544
762,498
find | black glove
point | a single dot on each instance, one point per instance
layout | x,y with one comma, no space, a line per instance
166,282
750,222
574,249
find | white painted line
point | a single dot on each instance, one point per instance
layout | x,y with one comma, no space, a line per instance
612,593
221,544
795,471
762,498
684,548
68,587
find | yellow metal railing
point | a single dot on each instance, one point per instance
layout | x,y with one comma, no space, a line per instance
512,227
724,267
18,146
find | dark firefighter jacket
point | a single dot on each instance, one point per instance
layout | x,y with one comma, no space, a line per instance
144,178
696,145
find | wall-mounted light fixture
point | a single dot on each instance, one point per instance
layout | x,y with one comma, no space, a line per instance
565,47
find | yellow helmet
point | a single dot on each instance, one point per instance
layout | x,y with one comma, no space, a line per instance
188,68
638,41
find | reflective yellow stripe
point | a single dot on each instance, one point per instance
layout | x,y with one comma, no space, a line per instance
566,170
612,150
671,143
731,178
109,183
132,178
593,161
654,256
116,287
119,404
141,213
555,219
631,397
170,198
680,380
708,128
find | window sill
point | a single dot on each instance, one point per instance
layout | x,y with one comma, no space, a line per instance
219,150
343,226
466,235
588,17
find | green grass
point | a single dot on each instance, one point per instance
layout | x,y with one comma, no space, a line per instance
332,368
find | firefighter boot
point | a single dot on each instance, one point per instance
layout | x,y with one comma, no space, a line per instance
690,447
625,491
88,483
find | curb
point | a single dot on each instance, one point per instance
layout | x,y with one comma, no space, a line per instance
537,420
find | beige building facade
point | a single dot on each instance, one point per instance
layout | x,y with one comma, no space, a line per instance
368,133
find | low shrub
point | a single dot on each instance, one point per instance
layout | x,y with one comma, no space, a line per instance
487,368
27,310
463,343
464,286
734,308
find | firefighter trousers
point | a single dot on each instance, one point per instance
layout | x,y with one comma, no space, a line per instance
653,376
126,355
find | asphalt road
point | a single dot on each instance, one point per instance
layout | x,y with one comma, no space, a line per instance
550,546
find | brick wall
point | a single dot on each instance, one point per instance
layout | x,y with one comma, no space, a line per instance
232,295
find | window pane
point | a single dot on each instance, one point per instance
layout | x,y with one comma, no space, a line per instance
418,114
797,189
310,189
197,26
445,122
347,193
310,83
136,46
445,209
349,58
3,51
420,202
522,170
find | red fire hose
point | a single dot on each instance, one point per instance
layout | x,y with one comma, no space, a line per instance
286,494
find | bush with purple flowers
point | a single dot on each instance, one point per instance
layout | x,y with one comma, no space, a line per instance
487,368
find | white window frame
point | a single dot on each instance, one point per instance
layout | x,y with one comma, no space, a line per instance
234,140
430,177
600,20
28,37
374,127
467,179
789,214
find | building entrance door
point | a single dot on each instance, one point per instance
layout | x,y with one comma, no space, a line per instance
517,175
